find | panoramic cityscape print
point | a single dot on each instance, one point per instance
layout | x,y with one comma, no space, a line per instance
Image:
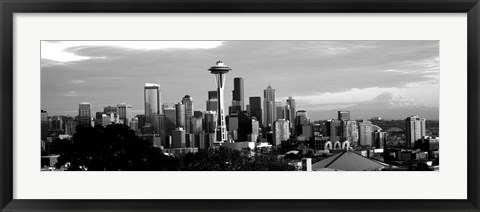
240,105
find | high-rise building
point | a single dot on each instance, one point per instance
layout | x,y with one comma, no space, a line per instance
350,132
125,113
210,122
379,139
269,112
414,129
281,131
179,138
307,131
365,130
233,126
334,130
301,119
255,130
85,114
196,124
105,120
220,71
55,123
238,99
152,105
212,105
343,115
244,126
170,120
256,108
198,114
98,118
212,95
280,108
114,118
234,110
188,102
180,114
290,110
70,127
134,124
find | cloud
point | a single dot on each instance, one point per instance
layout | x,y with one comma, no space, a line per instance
68,51
71,94
314,72
77,81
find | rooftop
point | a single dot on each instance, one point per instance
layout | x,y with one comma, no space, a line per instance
347,161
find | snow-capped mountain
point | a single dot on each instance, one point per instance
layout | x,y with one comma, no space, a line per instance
390,100
386,105
391,106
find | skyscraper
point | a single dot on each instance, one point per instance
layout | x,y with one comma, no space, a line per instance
188,102
209,121
212,95
212,105
270,112
281,131
343,115
255,130
85,114
152,105
365,130
220,71
238,99
170,120
334,130
379,139
196,124
124,112
179,138
105,120
290,111
301,119
180,114
414,129
256,108
280,108
350,132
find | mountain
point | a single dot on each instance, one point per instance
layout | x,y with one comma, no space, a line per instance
386,105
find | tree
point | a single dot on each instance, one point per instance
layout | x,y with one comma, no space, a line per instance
113,148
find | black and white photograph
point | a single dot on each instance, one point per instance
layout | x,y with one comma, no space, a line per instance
240,105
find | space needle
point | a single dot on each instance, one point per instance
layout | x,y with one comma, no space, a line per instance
220,70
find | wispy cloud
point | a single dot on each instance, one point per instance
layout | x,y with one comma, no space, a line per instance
68,51
71,94
77,81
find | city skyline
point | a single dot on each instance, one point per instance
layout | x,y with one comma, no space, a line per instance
92,77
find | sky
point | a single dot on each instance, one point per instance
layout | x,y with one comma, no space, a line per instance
319,75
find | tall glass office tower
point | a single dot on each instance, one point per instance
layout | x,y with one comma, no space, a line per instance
237,94
188,102
85,114
270,112
152,105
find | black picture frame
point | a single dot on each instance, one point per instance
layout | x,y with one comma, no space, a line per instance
9,7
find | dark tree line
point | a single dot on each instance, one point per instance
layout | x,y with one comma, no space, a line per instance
117,148
113,148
